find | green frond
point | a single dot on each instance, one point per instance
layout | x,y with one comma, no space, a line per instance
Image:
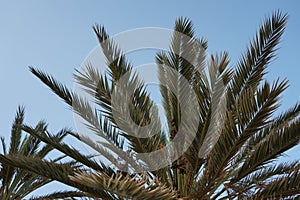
212,113
186,57
65,149
285,118
116,60
251,68
16,131
54,171
287,187
235,136
58,88
137,187
271,148
61,195
17,183
265,174
140,106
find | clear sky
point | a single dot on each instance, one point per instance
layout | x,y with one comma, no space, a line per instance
56,36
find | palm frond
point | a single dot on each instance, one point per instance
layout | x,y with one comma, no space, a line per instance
271,148
261,51
136,187
58,88
54,171
17,183
16,131
65,149
60,195
287,187
140,106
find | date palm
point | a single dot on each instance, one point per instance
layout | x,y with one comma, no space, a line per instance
235,152
17,183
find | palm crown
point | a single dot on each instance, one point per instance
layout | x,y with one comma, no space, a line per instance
226,146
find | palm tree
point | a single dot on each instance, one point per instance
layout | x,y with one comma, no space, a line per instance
17,183
234,153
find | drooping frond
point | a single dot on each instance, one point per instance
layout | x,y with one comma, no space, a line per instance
67,150
61,195
287,187
54,171
271,148
262,176
137,187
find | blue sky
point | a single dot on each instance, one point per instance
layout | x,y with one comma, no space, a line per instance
56,36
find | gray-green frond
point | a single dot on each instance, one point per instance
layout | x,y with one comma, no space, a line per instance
18,183
68,195
262,49
136,187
